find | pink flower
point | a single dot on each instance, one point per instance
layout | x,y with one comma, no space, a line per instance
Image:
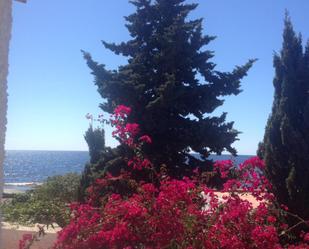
271,219
122,212
132,128
122,110
145,139
138,163
306,237
24,243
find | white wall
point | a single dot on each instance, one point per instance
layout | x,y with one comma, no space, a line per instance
5,35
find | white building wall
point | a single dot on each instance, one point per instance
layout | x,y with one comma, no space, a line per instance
5,35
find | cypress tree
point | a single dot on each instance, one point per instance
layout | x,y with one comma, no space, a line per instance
171,85
285,148
95,139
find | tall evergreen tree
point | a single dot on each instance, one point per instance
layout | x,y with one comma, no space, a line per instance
95,138
286,140
170,84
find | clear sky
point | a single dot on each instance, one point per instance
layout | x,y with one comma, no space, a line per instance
51,88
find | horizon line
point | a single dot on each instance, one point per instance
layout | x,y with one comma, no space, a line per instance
46,150
52,150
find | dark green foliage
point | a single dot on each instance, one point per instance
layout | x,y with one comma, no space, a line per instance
46,204
170,84
95,139
111,160
59,188
286,141
261,150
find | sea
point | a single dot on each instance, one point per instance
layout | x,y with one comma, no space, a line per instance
25,169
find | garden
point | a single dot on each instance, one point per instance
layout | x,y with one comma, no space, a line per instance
151,191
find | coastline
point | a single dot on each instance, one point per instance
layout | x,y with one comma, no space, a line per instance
10,191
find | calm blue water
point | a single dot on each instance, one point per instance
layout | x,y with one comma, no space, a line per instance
25,168
22,169
238,159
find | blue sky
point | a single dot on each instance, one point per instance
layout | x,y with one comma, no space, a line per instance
51,88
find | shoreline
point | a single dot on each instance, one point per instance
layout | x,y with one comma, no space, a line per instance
10,191
19,187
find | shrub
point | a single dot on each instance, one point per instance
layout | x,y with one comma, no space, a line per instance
177,213
124,212
45,204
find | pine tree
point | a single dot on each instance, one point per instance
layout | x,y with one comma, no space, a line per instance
170,84
286,140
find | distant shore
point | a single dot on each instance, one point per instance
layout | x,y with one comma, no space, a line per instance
8,191
18,187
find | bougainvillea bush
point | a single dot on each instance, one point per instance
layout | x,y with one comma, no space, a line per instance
177,213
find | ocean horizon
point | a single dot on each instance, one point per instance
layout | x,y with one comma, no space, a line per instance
24,169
